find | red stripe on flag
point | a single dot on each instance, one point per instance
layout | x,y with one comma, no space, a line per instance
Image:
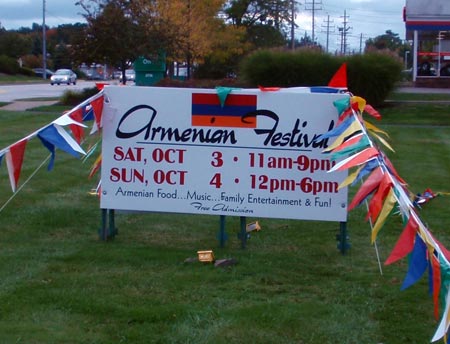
232,99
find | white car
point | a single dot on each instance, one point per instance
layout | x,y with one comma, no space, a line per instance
130,75
63,76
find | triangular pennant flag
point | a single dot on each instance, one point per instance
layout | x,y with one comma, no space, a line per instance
338,130
378,198
360,145
356,159
56,136
51,148
443,325
417,264
341,105
370,184
373,128
88,113
77,131
366,169
95,166
371,111
436,283
354,127
1,158
339,79
405,242
383,141
350,178
351,141
360,101
388,205
97,106
268,89
223,92
14,161
391,168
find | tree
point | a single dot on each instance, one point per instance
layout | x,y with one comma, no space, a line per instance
112,34
266,22
14,44
389,41
196,29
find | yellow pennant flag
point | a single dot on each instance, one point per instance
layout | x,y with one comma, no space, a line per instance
388,205
384,142
361,102
350,178
371,127
355,126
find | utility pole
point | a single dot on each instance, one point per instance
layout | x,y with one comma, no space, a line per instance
313,9
327,22
292,24
44,47
344,30
361,43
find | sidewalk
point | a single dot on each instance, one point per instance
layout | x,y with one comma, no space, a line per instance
422,90
25,105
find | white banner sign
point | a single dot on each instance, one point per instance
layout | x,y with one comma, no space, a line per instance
255,155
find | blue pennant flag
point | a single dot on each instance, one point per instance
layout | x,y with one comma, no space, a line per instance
417,263
368,167
51,148
336,131
51,138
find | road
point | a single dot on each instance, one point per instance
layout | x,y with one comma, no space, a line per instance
9,93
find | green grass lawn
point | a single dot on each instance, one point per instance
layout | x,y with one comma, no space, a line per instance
61,284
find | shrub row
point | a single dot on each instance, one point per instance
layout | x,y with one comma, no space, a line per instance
73,98
371,76
9,65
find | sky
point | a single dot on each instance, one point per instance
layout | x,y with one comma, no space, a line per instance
365,18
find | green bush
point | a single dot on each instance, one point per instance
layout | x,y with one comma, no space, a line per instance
74,98
371,76
8,65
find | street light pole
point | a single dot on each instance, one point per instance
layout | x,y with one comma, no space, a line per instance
44,48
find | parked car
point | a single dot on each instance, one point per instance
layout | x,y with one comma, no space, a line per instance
117,74
63,76
94,75
130,75
40,72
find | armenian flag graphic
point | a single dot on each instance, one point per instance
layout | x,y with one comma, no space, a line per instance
207,110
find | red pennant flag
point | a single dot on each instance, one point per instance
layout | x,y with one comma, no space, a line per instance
371,111
351,141
340,78
444,250
436,271
357,159
97,106
344,115
405,242
367,187
268,89
14,161
77,131
376,203
392,169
